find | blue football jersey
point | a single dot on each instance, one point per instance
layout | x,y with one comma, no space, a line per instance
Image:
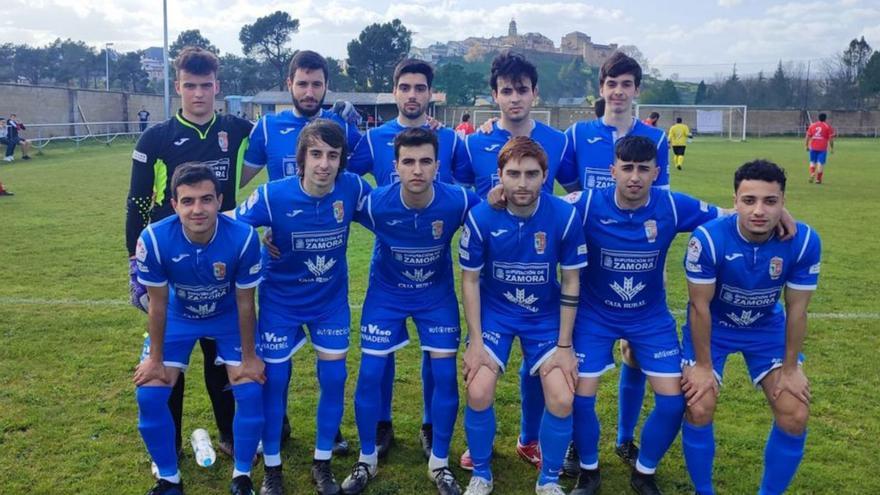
201,278
749,277
518,260
627,251
411,258
481,170
311,277
273,141
375,154
593,145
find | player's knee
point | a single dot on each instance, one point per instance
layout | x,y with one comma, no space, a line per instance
372,370
792,417
558,399
701,412
480,395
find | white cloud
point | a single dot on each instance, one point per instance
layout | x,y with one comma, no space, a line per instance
729,3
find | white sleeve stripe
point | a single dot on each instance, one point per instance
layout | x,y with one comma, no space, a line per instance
792,285
265,133
370,210
254,165
568,225
153,284
674,209
701,281
573,267
587,204
574,141
467,147
474,224
804,247
246,243
154,243
464,206
266,200
711,244
662,138
250,285
564,148
370,144
471,269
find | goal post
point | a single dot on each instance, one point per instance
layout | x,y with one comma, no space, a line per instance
728,121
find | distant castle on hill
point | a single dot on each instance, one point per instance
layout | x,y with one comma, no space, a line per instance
575,43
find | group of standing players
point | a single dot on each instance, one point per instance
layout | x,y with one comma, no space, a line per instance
568,276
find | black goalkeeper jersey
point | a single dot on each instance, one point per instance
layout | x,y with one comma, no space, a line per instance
220,143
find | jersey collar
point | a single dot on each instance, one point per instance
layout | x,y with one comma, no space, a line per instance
407,207
628,210
742,237
534,212
186,123
214,236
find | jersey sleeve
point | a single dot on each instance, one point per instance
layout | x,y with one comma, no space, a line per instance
352,136
471,249
567,176
150,270
361,160
663,162
363,214
700,259
462,167
256,211
140,191
574,247
250,268
805,273
255,156
690,212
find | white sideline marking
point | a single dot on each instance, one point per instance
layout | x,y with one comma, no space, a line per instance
25,301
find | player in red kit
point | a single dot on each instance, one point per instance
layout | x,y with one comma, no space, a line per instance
820,137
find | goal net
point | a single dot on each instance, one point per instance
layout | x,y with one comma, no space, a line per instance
704,120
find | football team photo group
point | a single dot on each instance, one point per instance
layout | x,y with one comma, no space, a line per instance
512,233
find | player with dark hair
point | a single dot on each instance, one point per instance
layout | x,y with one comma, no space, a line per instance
201,270
374,154
509,261
738,270
307,288
414,221
820,139
195,133
652,119
678,138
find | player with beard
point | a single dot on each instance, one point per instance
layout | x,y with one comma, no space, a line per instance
273,140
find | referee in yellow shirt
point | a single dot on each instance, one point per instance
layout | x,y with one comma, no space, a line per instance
678,136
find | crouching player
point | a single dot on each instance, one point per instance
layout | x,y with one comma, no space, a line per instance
509,261
737,270
201,271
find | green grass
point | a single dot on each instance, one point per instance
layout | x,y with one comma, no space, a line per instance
68,342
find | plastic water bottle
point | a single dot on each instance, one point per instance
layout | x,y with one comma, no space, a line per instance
202,448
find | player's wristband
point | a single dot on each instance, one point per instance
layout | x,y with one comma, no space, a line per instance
568,300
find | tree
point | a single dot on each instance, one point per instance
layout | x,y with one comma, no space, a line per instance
375,52
190,37
701,95
855,58
339,80
7,59
244,76
574,79
664,93
267,39
128,71
30,63
461,87
869,81
732,91
779,89
73,63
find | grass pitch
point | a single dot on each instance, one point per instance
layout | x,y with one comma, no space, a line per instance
68,343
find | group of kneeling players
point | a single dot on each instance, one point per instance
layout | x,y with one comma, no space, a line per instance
567,276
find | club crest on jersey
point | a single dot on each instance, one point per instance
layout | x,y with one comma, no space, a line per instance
651,230
338,210
223,141
775,267
219,270
540,242
437,229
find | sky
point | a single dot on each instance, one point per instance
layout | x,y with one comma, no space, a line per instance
689,38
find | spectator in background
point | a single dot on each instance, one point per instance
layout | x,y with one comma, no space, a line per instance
465,127
13,139
143,118
652,119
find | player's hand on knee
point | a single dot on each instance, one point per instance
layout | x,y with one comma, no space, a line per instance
150,370
697,381
271,248
476,357
251,370
563,359
138,296
794,382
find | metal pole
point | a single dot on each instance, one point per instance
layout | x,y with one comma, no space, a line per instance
107,65
165,59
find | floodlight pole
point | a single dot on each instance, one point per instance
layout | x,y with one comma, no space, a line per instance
107,65
165,58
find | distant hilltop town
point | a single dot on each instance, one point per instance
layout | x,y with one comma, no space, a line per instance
575,43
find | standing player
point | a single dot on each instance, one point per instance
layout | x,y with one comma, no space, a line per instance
514,82
273,140
201,271
465,128
737,270
593,145
307,287
652,119
143,118
411,276
509,261
375,154
678,138
195,133
629,229
820,138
